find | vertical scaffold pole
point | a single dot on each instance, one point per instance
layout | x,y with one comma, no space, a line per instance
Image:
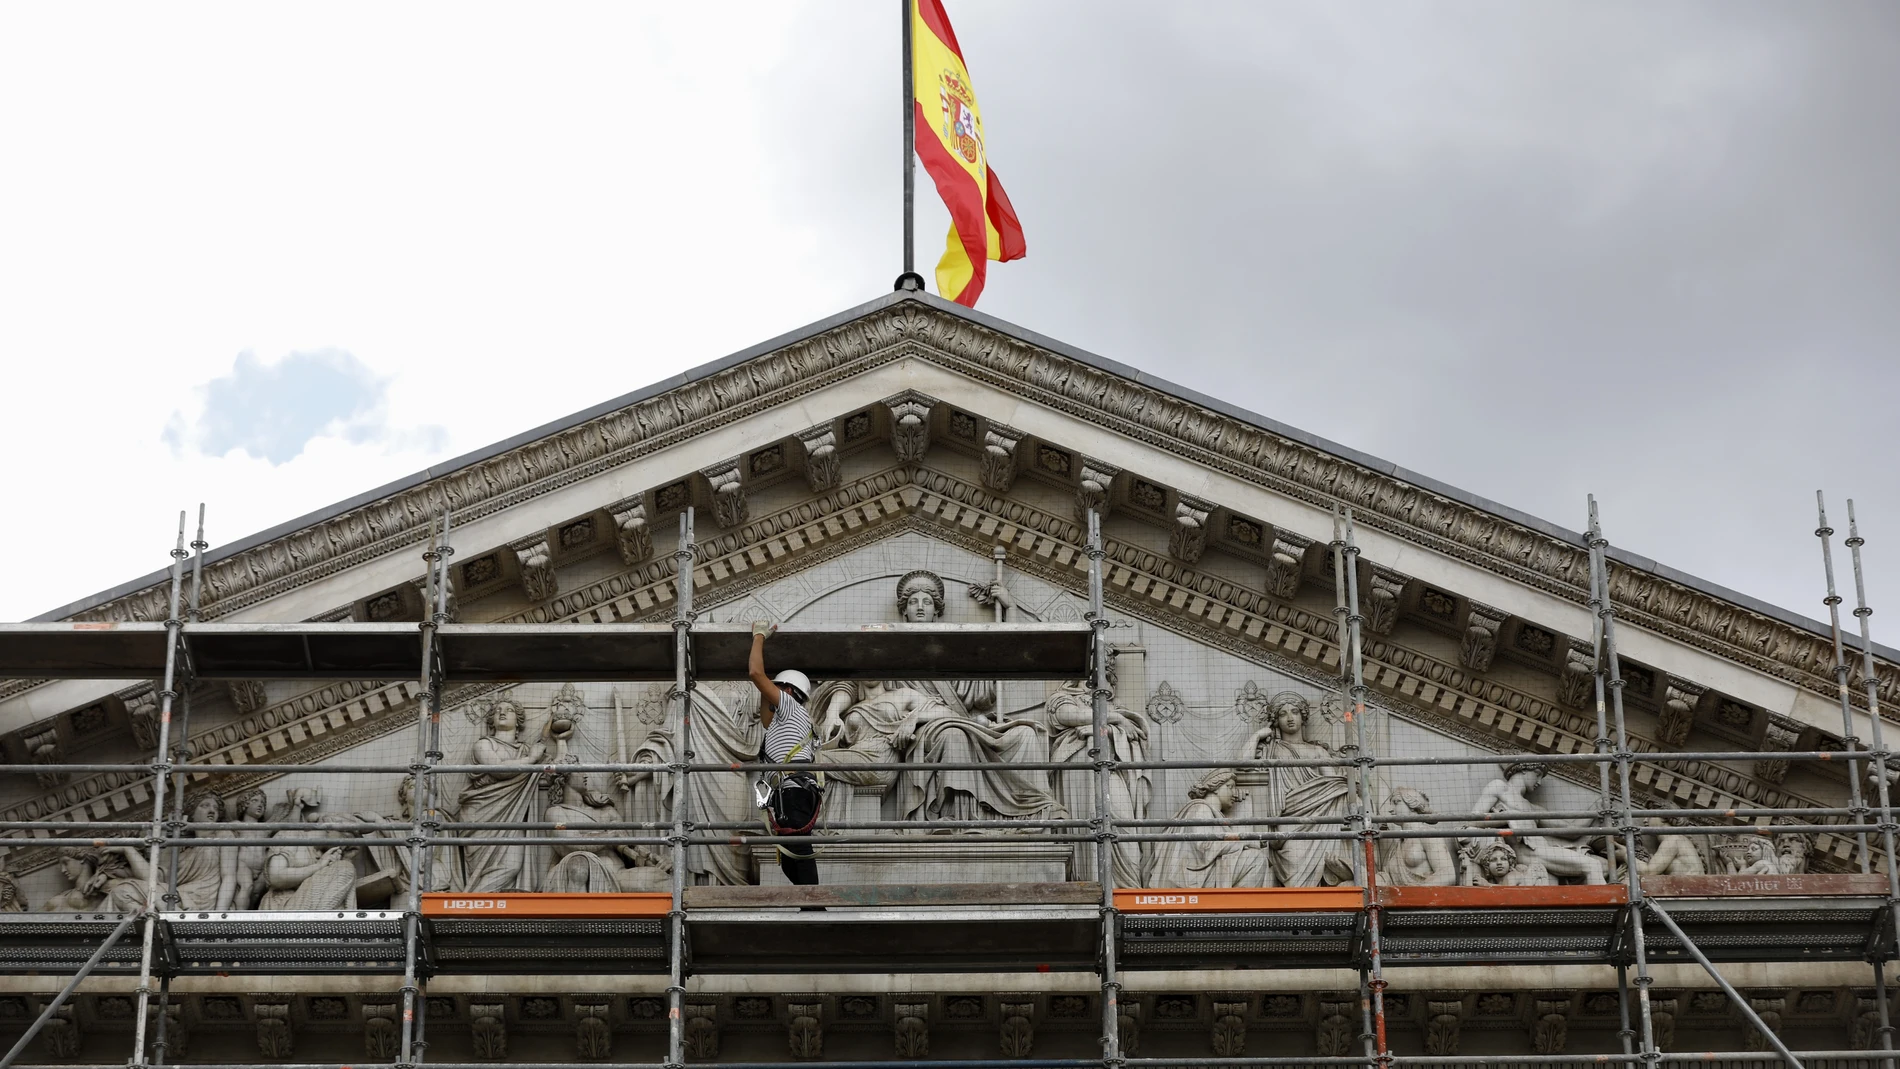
422,793
1375,967
1609,678
1883,788
181,754
427,710
1606,810
1600,580
682,756
1341,614
1104,820
161,778
1848,742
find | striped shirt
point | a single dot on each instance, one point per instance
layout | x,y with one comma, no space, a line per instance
791,725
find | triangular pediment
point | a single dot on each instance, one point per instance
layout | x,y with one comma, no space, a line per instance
908,416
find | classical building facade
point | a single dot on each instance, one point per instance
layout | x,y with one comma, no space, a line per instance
912,461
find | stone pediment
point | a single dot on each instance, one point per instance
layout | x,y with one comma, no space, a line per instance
910,414
1416,669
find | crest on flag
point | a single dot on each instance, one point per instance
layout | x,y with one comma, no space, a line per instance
961,131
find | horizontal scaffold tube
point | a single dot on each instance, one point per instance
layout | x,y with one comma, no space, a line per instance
222,769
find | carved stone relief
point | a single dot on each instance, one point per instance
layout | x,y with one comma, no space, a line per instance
1479,643
1286,564
822,467
910,429
1384,590
998,460
1187,538
723,485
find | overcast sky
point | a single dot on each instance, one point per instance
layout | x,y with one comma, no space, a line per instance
268,256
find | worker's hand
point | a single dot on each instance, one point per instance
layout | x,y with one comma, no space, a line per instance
763,628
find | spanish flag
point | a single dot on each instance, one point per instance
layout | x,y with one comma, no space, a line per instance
983,226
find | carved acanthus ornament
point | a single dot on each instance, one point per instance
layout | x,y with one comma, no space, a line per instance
822,466
1662,1016
1576,680
804,1028
1128,1025
1187,538
910,429
1333,1036
911,1028
381,1039
593,1030
43,748
1384,589
488,1030
1769,1008
1286,564
1479,643
247,695
723,485
537,568
702,1030
1444,1017
1782,734
1094,489
631,533
1229,1035
1017,1037
998,462
1676,717
1551,1030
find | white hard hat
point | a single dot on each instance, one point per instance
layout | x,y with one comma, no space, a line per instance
795,678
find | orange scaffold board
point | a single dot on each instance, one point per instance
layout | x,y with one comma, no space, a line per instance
1240,899
528,906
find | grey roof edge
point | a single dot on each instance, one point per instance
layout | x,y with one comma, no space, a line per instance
1001,326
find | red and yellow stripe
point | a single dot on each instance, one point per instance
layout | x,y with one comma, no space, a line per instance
983,225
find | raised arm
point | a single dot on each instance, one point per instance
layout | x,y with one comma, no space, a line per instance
755,669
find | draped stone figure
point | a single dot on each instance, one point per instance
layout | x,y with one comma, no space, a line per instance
101,882
506,793
1218,862
1543,838
298,877
942,722
389,852
593,864
1324,792
1072,721
723,734
207,874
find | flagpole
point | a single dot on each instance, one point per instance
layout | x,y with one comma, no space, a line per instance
910,164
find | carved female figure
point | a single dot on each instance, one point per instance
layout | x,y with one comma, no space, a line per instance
1421,862
1215,863
101,880
1072,721
1496,863
947,722
207,875
1324,792
505,795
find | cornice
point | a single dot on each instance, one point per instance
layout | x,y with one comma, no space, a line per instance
1115,401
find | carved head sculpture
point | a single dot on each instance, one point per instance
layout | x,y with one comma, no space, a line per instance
1792,850
252,805
1290,713
1223,785
503,715
204,806
1495,858
12,900
303,803
1531,769
1754,851
920,597
1408,800
79,863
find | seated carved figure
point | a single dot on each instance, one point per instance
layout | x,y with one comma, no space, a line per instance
594,864
1673,855
940,722
1212,862
1421,862
1542,838
101,880
300,877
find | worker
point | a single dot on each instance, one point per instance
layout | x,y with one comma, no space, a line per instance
790,799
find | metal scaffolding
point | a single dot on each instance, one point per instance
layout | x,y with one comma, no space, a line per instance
1081,926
